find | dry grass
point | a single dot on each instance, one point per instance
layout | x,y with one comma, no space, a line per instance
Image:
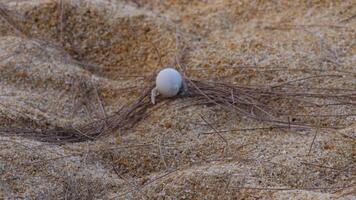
245,102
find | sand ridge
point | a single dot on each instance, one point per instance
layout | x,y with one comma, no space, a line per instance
65,59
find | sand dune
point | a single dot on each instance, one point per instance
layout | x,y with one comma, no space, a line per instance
66,63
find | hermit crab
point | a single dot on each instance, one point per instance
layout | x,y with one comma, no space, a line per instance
169,83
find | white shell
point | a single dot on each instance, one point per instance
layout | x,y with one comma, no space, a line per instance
168,82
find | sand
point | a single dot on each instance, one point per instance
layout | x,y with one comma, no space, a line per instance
68,62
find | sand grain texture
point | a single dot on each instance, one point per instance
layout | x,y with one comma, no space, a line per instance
71,61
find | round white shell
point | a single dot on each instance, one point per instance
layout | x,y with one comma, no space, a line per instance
168,82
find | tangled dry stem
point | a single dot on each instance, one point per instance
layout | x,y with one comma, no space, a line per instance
245,102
